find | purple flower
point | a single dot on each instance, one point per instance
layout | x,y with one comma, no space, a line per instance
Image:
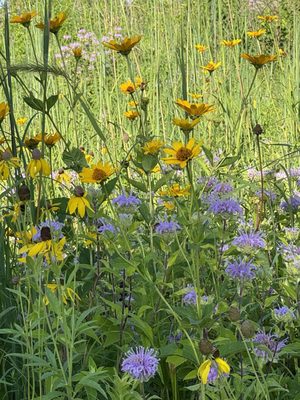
175,338
250,241
140,363
222,188
241,270
165,227
292,203
213,374
128,202
190,297
225,207
271,342
284,314
55,230
103,226
271,196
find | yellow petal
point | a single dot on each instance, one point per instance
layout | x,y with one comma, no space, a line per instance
222,365
190,144
203,371
72,205
81,208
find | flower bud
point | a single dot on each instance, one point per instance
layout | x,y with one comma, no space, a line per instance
79,191
24,192
247,329
257,130
206,347
36,154
234,314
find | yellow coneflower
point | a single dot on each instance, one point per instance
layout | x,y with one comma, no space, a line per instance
7,161
219,365
49,138
176,191
125,46
201,48
77,52
231,43
131,114
67,293
78,202
152,147
194,109
186,125
98,173
211,66
38,165
55,23
31,143
268,18
260,60
127,87
4,110
23,19
255,34
181,154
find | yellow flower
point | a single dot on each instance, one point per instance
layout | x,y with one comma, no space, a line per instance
152,147
254,34
23,19
185,125
231,43
169,205
127,87
32,143
282,53
61,176
196,95
175,191
260,60
77,52
78,202
7,161
38,165
55,23
201,48
49,138
268,18
131,115
97,173
133,104
67,293
125,46
194,109
181,154
4,110
21,121
218,363
211,66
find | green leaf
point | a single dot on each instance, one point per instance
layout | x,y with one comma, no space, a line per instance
228,161
34,103
162,181
270,300
74,159
51,101
148,162
191,375
175,360
138,185
208,155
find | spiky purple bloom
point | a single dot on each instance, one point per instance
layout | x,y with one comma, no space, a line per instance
191,296
175,338
250,241
103,226
140,363
241,270
213,374
271,342
128,202
165,227
225,207
222,188
284,313
292,203
271,196
55,229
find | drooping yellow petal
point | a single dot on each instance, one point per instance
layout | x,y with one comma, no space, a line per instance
203,371
72,204
222,366
81,207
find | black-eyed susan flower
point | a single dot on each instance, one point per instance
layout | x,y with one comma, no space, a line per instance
7,161
125,46
211,66
127,87
175,191
78,202
231,43
152,147
260,60
255,34
194,109
268,18
210,370
49,138
23,19
55,23
131,114
4,110
38,165
67,293
98,173
201,48
186,125
180,154
32,142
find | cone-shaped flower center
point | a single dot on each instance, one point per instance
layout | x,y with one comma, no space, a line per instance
183,154
99,174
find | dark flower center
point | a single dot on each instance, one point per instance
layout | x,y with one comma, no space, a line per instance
99,174
45,233
183,154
